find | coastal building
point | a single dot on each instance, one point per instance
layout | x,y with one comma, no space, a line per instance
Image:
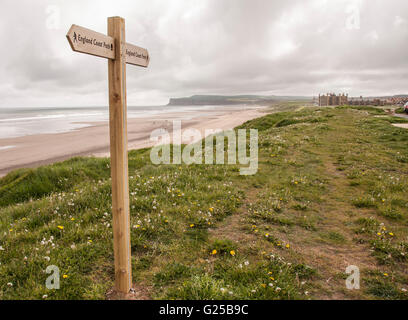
384,101
331,99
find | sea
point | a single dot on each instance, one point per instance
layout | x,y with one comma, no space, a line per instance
18,122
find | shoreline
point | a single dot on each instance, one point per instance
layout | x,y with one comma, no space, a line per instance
36,150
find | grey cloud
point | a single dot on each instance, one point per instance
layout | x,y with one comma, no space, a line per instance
224,47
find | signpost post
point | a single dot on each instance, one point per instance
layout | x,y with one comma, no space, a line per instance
119,53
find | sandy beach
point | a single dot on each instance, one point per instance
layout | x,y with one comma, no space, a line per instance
35,150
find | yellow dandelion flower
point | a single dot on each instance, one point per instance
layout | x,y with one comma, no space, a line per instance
232,252
263,285
61,227
166,221
90,241
211,209
296,182
391,234
192,225
214,252
288,246
386,274
65,276
11,230
379,233
272,278
72,219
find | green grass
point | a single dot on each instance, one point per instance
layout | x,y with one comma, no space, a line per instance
333,236
24,184
331,187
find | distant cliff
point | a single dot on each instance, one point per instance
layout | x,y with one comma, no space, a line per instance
229,100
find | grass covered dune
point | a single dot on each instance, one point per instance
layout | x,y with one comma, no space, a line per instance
331,191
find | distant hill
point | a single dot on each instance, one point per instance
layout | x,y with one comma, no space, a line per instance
227,100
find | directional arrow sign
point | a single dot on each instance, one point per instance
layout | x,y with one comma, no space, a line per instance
136,55
97,44
91,42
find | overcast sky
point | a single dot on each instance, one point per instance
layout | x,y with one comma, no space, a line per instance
288,47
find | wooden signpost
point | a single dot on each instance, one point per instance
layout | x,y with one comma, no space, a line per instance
114,47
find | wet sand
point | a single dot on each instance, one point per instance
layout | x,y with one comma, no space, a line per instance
36,150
